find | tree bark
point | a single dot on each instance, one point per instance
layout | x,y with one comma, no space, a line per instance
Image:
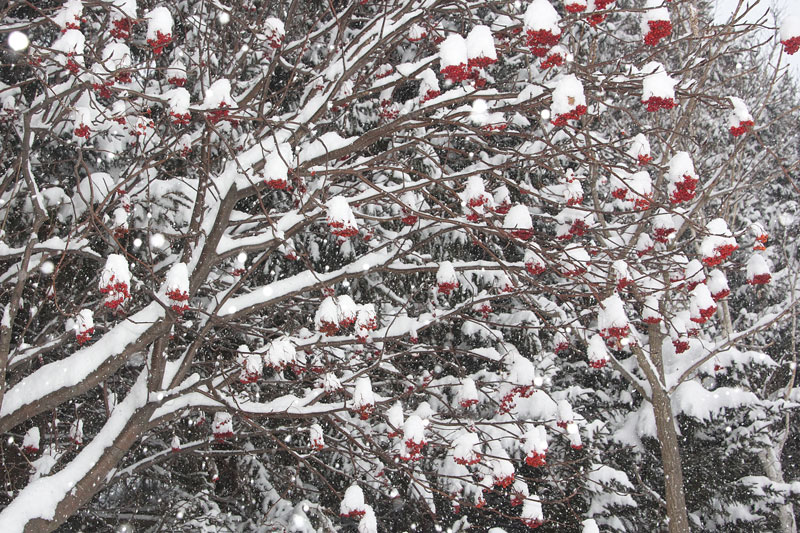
774,470
107,368
671,461
652,365
94,480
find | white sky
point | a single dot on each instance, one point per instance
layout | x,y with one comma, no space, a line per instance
724,8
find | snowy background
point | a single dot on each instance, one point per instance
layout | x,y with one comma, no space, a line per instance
783,8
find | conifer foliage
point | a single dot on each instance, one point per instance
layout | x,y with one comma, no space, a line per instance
378,264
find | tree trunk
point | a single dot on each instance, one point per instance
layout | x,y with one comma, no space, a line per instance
671,460
774,470
94,480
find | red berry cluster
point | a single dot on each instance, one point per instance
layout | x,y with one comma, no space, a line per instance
102,89
724,293
277,183
72,66
73,25
180,119
615,332
494,127
117,292
141,128
720,254
553,60
791,45
160,42
535,459
478,201
276,40
642,202
384,71
83,131
535,269
761,240
338,228
596,18
598,364
220,436
84,336
639,202
659,29
743,127
504,481
430,95
575,114
122,28
575,200
480,62
507,403
576,272
541,41
179,300
760,279
365,411
578,228
705,314
456,73
684,190
484,309
522,234
503,208
389,110
328,328
619,193
654,103
662,234
467,403
474,459
414,450
418,38
599,5
218,114
575,8
681,345
447,287
249,377
355,513
480,502
409,219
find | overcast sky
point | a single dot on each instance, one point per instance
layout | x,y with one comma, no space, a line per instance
781,7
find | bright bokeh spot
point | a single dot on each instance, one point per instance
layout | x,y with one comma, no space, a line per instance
18,41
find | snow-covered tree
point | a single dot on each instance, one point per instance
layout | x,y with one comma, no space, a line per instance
307,266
